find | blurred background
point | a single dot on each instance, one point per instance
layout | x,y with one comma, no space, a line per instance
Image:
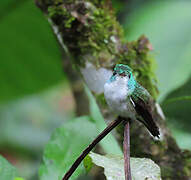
35,94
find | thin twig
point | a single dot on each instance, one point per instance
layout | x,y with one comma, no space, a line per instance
110,127
126,151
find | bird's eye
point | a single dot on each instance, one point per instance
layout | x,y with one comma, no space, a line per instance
129,76
114,73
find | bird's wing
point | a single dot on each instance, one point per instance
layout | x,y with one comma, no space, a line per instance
143,103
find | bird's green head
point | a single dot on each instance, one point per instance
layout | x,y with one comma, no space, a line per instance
122,70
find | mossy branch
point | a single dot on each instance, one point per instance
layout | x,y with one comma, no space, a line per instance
89,32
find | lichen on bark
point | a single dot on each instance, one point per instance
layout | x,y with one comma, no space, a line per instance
92,36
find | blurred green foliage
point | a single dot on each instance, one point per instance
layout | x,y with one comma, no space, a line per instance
169,33
31,63
30,57
65,146
178,107
7,171
30,120
26,125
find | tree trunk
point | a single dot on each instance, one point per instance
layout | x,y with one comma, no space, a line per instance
89,33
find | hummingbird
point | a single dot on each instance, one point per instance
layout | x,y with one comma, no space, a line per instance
128,99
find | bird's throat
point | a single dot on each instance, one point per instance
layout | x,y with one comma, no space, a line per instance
117,96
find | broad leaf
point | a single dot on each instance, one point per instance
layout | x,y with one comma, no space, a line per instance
177,106
7,171
30,120
26,126
66,144
182,137
30,59
141,168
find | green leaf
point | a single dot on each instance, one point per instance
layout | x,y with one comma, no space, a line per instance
7,171
65,145
87,163
30,59
26,126
169,32
182,137
141,168
182,98
27,123
18,178
7,5
176,107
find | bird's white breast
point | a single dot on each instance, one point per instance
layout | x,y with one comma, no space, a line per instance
116,94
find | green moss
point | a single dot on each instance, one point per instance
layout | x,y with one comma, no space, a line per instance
161,147
187,163
58,1
167,172
132,54
91,28
99,32
60,13
97,3
54,10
